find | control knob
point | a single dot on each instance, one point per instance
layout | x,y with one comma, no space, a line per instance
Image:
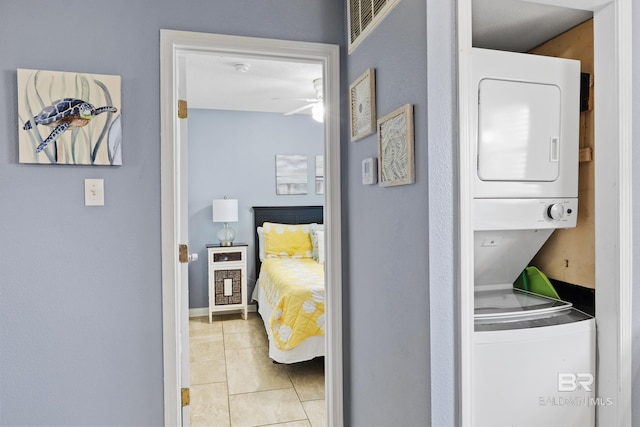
555,211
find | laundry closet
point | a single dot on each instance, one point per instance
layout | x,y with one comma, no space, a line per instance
534,251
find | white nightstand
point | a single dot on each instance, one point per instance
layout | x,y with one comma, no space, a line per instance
227,278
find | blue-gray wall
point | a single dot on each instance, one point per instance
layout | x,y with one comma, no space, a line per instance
80,293
80,288
388,234
233,153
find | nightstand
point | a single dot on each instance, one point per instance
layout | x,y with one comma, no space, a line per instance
227,278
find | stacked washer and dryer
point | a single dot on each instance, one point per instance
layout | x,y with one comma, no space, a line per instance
534,357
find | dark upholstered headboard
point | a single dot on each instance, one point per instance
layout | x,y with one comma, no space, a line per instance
283,215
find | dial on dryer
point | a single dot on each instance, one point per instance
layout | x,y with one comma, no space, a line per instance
555,211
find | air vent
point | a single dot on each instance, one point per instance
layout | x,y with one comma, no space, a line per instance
364,15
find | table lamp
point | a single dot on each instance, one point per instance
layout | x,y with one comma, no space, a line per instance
226,211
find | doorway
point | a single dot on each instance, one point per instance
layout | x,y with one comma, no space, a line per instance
612,207
174,45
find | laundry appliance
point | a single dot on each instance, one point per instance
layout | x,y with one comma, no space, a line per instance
533,356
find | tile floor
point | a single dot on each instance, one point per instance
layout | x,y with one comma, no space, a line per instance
234,383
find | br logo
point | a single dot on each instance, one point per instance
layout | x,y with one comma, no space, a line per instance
572,382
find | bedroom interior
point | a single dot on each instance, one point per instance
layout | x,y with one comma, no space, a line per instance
230,368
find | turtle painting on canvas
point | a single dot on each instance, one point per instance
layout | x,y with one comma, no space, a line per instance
64,114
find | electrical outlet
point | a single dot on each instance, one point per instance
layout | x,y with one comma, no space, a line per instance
94,192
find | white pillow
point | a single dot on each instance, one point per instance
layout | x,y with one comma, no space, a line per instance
314,239
320,237
261,251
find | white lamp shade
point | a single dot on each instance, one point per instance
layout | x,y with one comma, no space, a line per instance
225,210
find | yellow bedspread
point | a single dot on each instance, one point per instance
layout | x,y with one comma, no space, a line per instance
294,289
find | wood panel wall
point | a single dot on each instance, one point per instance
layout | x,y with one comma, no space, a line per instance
569,254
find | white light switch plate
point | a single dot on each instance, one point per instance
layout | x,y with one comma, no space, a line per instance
94,192
369,171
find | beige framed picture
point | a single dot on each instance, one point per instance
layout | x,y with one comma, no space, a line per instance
395,147
362,100
69,118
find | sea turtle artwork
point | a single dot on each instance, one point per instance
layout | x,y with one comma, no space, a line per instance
69,118
64,114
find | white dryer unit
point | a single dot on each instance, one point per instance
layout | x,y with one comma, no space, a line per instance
526,112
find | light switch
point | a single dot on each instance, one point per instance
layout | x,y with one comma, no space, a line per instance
94,192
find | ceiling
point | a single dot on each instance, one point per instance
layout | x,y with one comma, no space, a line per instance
519,26
217,81
222,82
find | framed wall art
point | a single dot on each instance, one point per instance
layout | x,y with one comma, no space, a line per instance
395,147
362,100
319,174
69,118
291,174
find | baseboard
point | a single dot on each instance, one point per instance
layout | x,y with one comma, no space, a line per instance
204,311
198,312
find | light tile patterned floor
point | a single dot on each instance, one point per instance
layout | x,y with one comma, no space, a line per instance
235,384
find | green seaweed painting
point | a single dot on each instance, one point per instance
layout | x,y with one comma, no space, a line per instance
69,118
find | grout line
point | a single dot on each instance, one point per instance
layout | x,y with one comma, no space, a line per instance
293,384
226,371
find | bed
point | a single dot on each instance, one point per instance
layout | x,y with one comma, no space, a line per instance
290,286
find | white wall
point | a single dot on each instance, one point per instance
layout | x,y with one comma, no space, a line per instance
635,398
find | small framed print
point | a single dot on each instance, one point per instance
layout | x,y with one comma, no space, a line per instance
291,174
319,174
395,147
362,100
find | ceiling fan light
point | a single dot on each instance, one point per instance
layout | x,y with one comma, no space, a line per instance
317,112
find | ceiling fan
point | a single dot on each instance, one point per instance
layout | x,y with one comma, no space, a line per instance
316,104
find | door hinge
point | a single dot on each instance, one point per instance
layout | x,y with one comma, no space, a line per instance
183,254
185,396
182,109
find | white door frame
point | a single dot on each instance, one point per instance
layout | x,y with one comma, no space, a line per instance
172,44
613,204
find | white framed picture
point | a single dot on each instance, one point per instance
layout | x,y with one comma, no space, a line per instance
291,174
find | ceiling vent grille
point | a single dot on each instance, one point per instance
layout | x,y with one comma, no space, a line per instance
364,15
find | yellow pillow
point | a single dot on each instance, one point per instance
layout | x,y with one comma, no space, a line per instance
287,240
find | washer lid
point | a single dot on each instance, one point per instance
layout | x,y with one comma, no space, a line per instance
509,303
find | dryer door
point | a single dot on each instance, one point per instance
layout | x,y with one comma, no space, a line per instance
518,131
